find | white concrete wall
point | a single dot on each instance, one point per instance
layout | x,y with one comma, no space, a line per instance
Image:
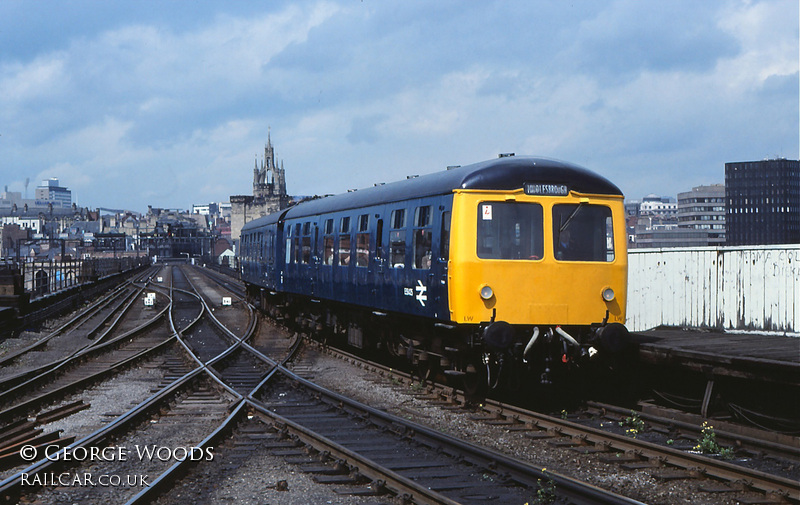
750,287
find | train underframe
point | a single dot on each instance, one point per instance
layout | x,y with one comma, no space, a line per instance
484,359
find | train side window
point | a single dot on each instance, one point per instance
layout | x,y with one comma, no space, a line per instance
344,241
444,248
362,241
327,242
422,237
422,217
327,249
397,239
510,231
306,243
398,219
296,251
397,248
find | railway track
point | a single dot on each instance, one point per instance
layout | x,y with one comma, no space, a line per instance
217,394
79,332
664,464
119,346
479,475
615,443
185,397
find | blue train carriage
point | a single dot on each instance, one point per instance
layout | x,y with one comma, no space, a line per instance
509,266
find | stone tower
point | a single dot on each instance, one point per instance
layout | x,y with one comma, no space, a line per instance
269,192
269,181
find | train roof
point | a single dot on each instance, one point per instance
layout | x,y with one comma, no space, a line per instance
502,174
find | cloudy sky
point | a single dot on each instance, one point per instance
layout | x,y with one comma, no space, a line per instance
168,104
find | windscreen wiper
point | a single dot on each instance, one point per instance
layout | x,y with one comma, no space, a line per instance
569,219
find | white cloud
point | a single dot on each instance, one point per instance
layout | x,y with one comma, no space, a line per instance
354,96
19,84
768,33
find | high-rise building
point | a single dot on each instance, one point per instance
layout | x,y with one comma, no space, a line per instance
696,220
49,191
703,208
763,202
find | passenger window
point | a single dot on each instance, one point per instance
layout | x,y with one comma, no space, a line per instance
327,255
305,249
583,232
362,241
327,243
422,238
398,219
297,243
344,241
306,241
397,248
397,239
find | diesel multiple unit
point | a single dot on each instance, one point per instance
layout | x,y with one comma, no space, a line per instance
512,270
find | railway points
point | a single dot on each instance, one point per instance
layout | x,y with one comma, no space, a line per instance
239,372
438,271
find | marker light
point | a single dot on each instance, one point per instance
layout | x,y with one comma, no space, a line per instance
487,293
608,294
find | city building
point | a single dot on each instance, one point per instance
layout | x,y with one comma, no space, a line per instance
660,205
763,202
269,193
696,220
208,209
50,192
703,208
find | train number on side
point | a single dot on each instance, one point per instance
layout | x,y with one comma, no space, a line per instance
420,290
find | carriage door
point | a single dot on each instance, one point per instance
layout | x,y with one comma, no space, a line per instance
378,264
440,265
315,260
281,248
422,259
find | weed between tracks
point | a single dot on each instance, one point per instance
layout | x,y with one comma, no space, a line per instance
707,443
634,424
546,494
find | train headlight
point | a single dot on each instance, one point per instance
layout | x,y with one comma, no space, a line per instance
608,294
487,293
